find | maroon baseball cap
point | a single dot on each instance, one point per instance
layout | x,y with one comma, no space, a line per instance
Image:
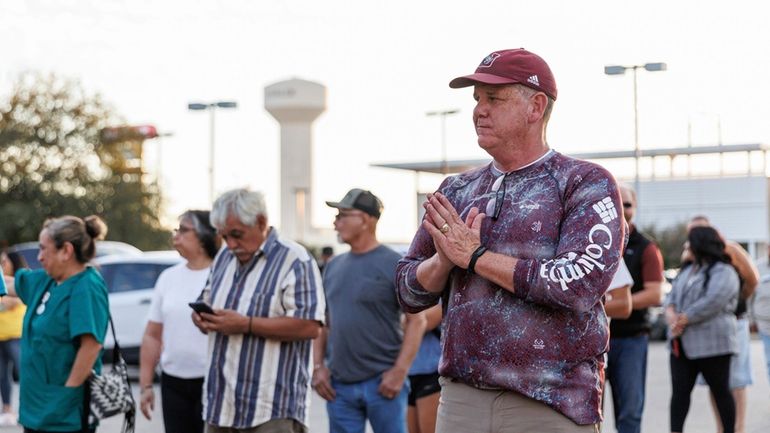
517,66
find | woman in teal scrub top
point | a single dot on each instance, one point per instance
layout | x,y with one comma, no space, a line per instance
64,326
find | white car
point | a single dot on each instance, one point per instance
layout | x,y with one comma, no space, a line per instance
29,250
131,280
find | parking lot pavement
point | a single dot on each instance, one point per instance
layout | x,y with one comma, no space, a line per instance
655,420
700,418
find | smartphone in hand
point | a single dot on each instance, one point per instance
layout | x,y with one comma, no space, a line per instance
201,307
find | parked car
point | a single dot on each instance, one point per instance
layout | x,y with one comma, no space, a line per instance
29,250
131,280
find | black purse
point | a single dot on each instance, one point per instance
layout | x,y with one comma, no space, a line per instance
109,394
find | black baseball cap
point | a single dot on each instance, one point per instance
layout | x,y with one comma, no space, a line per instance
359,199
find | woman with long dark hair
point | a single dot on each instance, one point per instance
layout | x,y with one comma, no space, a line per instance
702,332
170,336
64,326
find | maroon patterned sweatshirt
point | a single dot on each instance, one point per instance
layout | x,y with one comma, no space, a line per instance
562,218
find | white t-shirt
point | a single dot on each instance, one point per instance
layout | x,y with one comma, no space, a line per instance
185,348
621,278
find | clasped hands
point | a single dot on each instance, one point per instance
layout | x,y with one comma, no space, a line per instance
455,240
677,322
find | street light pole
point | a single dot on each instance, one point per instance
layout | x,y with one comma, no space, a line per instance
637,150
212,134
620,70
443,114
159,156
211,107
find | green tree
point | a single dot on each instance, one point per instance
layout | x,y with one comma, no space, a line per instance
52,163
670,240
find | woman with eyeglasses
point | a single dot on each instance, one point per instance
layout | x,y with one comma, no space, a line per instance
64,326
702,326
170,336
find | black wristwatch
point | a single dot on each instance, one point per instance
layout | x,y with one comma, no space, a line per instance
474,257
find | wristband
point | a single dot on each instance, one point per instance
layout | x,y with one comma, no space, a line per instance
248,332
474,257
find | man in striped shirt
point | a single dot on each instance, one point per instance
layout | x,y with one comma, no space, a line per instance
268,305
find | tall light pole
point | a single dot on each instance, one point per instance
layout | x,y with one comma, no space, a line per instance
211,107
621,70
443,114
159,156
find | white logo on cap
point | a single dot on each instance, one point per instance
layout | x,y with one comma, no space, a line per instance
488,60
533,80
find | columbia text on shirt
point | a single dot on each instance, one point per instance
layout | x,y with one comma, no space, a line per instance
562,219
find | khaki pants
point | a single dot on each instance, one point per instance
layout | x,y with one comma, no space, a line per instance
465,409
272,426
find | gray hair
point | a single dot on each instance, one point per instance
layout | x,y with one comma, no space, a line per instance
528,92
241,203
81,233
629,188
204,231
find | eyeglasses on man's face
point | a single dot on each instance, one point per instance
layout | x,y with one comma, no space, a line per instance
345,214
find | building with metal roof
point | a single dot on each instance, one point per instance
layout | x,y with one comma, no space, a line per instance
726,183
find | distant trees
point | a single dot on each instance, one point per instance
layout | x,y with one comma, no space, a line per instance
52,163
670,240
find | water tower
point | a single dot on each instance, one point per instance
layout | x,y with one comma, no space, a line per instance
295,104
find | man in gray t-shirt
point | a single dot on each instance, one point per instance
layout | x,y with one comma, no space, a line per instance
368,351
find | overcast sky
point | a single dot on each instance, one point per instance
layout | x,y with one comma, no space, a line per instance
385,64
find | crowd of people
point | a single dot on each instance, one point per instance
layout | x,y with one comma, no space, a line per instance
526,282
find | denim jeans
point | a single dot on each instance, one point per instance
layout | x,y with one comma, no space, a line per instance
627,373
766,343
9,360
355,402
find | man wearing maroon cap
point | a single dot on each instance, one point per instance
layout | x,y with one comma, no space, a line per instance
520,252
